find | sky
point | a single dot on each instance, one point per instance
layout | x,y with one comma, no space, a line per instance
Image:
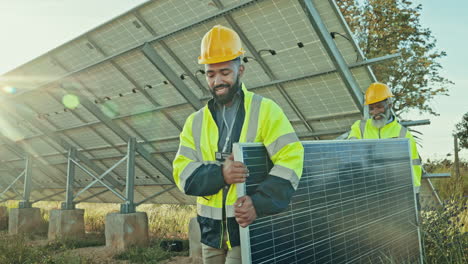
448,22
30,28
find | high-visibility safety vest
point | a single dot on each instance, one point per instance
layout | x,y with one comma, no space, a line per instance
264,122
390,130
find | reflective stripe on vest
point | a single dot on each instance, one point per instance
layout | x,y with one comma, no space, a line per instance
254,116
196,132
214,212
280,142
285,173
417,162
209,212
188,170
362,126
188,152
403,131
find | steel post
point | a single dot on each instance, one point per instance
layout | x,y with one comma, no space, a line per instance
129,205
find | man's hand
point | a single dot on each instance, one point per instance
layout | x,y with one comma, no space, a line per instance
234,171
244,211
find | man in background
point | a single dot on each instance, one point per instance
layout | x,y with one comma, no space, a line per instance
383,124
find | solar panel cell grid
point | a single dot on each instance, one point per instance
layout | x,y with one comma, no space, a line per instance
277,25
120,35
354,203
77,54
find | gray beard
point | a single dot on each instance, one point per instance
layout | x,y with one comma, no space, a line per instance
383,121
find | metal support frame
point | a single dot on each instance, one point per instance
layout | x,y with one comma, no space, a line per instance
92,108
83,120
353,41
27,185
55,137
264,66
155,195
415,123
129,205
25,203
171,53
434,191
91,196
139,46
301,136
436,175
48,196
21,153
12,185
98,178
333,52
130,79
156,59
354,65
68,204
456,160
223,12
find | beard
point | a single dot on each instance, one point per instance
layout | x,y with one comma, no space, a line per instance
225,98
382,121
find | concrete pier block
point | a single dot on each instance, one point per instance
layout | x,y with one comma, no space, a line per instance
66,224
194,241
3,217
25,221
126,230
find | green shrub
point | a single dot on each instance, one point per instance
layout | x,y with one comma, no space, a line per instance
443,232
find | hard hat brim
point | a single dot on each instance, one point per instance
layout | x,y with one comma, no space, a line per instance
219,59
376,101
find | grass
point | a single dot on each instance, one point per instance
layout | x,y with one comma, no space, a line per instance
90,240
152,254
165,222
445,228
17,250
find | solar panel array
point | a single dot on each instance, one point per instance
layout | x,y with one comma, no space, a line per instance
354,204
128,95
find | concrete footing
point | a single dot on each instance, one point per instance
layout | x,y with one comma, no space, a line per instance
25,220
126,230
3,217
66,224
194,241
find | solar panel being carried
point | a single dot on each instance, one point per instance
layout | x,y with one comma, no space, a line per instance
137,77
354,204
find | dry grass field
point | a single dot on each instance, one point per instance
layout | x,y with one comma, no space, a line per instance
444,230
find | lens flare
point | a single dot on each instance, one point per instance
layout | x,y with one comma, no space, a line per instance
70,101
9,89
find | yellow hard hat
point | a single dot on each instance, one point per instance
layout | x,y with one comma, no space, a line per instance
220,44
377,92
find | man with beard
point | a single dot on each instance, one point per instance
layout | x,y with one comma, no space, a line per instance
204,165
382,124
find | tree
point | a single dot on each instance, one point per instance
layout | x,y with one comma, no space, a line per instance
383,27
461,132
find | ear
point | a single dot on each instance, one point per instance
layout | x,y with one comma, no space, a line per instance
241,70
